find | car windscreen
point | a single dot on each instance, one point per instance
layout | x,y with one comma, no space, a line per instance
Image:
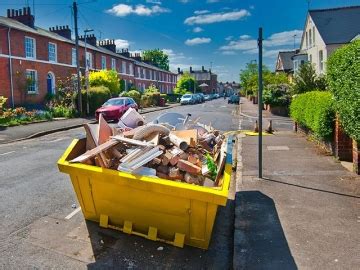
114,102
186,96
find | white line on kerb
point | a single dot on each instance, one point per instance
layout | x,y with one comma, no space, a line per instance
73,213
7,153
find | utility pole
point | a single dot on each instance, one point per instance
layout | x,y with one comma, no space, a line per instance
294,36
87,74
77,57
260,101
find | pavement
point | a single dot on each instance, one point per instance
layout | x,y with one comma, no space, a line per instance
39,229
304,212
33,130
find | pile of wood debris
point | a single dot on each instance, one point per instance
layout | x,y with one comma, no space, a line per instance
173,147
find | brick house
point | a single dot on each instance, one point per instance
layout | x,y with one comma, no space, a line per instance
33,59
203,76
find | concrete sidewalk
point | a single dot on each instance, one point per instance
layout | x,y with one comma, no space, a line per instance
11,134
303,214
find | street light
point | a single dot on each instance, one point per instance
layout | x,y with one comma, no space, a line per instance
87,73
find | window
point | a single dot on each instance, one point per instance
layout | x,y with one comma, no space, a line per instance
73,56
52,52
31,80
123,67
321,60
314,35
310,42
103,62
131,69
113,64
30,47
307,40
138,72
310,58
89,60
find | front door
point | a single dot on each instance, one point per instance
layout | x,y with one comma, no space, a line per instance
50,84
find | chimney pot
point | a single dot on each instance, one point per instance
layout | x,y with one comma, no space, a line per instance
16,13
20,12
25,11
8,13
12,13
28,11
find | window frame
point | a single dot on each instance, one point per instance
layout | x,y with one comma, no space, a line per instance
73,57
55,52
103,62
33,49
35,91
113,63
90,59
321,61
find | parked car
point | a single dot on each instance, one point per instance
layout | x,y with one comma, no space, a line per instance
114,108
216,95
187,99
197,98
207,97
234,99
201,96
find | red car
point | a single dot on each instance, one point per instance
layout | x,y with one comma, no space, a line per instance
114,108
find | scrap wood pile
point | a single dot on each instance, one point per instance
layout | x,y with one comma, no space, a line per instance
172,147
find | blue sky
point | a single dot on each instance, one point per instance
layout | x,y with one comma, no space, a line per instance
217,33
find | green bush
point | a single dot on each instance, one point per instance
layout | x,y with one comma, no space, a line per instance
134,94
172,98
343,77
97,97
314,110
306,80
62,111
108,78
277,95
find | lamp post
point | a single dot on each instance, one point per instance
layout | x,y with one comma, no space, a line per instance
87,73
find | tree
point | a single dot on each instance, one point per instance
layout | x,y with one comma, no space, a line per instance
108,78
158,57
306,80
186,84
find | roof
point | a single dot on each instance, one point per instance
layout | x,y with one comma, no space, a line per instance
337,25
286,59
8,22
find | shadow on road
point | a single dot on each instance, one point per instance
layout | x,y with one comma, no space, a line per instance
116,250
259,240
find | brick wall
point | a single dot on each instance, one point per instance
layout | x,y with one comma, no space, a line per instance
342,143
356,157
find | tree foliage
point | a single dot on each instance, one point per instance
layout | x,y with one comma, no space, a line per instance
249,78
158,57
186,84
306,80
107,78
343,77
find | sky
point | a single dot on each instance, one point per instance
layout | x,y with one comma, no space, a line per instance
217,34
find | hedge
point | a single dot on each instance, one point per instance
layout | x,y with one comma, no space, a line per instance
97,97
343,77
315,111
134,94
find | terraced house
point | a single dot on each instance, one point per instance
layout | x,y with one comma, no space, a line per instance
33,59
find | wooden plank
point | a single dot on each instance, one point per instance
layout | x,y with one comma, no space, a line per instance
190,136
95,151
131,141
104,131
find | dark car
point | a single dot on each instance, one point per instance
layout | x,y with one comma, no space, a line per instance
202,96
234,99
114,108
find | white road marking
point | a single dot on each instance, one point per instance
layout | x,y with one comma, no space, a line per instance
7,153
73,213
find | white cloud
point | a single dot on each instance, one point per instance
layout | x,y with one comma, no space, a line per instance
179,60
272,45
153,2
283,38
252,7
122,44
212,1
243,37
217,17
197,41
229,38
199,12
228,53
184,1
197,29
122,10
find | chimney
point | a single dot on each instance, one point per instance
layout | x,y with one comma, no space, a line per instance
202,69
22,15
108,44
191,70
90,39
63,31
124,52
136,56
179,71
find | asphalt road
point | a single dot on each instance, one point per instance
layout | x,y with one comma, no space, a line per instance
35,198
